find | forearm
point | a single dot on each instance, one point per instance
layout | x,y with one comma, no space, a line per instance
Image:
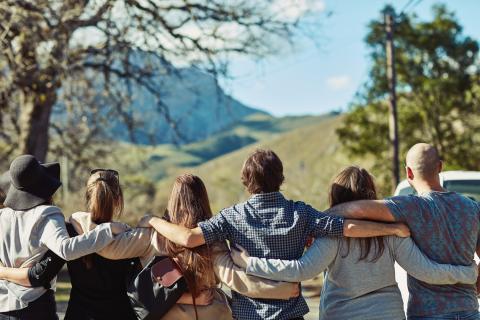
44,271
314,261
55,237
419,266
363,210
366,229
237,280
15,275
137,242
281,270
180,235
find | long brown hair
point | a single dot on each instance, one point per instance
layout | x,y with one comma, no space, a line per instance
104,200
355,183
188,205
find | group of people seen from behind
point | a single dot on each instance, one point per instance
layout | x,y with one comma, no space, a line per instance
256,248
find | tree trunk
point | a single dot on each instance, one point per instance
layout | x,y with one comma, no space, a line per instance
34,123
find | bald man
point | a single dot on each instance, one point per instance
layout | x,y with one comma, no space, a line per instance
445,225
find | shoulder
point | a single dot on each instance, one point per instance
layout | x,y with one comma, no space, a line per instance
301,206
403,206
45,211
6,210
233,212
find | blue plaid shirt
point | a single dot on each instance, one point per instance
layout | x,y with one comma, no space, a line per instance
270,226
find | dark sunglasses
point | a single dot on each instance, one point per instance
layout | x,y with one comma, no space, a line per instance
114,172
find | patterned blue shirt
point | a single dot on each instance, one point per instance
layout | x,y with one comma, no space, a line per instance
270,226
445,226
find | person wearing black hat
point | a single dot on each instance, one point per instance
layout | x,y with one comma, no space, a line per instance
31,226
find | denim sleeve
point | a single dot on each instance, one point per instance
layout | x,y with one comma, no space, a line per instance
404,208
322,224
215,229
43,272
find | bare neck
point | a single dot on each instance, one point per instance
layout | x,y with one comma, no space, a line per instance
426,186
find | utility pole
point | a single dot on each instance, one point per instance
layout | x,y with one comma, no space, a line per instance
389,15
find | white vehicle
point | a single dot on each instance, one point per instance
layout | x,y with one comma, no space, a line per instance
465,182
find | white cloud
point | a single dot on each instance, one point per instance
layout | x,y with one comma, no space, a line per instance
339,82
294,9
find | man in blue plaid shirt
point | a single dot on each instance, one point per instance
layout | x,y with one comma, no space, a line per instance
268,225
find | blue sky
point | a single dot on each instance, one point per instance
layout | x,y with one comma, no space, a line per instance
318,79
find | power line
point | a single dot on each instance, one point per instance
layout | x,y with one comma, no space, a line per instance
406,6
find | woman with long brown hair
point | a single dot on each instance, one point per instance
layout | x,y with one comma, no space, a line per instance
360,278
202,266
188,205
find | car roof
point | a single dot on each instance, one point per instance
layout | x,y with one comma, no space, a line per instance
446,176
460,175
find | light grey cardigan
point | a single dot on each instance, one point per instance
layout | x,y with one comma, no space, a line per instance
25,236
360,289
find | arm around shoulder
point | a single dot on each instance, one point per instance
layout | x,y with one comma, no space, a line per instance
419,266
315,260
54,235
180,235
237,279
364,210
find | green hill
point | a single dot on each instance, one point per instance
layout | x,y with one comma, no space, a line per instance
158,162
147,171
311,155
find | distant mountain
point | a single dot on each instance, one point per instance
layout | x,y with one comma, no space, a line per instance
198,106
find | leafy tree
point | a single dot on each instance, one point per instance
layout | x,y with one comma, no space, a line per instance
438,93
53,50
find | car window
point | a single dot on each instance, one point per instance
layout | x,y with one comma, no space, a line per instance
469,188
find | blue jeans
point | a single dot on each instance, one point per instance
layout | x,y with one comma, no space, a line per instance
463,315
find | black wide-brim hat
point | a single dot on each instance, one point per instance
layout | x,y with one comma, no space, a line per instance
31,183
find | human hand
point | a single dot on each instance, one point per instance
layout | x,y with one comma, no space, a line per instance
240,256
295,290
119,227
144,222
309,242
402,230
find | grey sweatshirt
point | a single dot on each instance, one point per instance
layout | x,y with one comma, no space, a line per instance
25,236
361,289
